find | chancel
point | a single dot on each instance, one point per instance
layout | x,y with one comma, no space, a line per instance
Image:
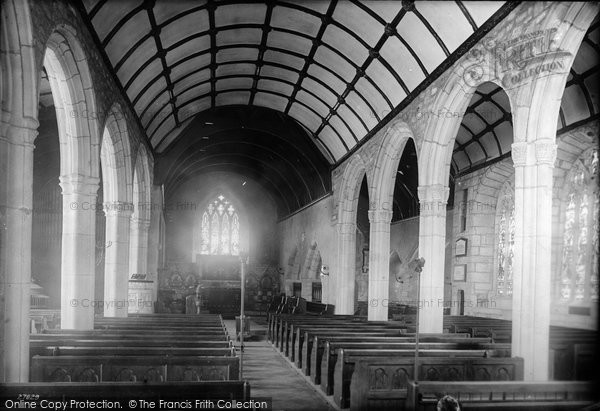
382,202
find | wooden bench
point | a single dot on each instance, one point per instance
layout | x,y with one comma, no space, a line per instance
348,359
129,337
317,352
100,368
332,346
300,338
502,395
276,321
382,382
208,351
302,347
141,332
111,391
284,326
77,342
566,362
311,308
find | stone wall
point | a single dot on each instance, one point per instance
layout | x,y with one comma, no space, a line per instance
304,238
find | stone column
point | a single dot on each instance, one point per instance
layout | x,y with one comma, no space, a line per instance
78,251
533,164
154,246
379,264
432,247
116,263
346,268
16,183
138,249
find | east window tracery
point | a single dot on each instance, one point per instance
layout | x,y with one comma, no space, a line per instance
220,229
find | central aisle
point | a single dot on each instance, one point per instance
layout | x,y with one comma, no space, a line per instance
272,375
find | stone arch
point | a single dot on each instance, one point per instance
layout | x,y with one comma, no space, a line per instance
342,280
142,207
436,150
75,103
349,190
66,64
537,106
386,165
142,183
115,158
19,74
117,186
385,170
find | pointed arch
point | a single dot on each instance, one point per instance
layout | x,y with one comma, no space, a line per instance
75,103
142,208
386,166
342,279
115,158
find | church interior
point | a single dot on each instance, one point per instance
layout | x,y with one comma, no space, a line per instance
324,204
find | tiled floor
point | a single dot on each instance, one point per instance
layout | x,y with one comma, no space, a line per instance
270,374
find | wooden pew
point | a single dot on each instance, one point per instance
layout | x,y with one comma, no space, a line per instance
566,363
344,374
136,331
282,323
303,333
313,358
76,342
100,368
332,346
207,351
382,382
348,358
302,346
111,391
130,337
502,395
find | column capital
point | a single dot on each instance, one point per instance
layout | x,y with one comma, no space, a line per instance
117,209
545,152
79,184
519,153
380,216
541,151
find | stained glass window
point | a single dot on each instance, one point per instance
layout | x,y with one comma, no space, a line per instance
579,265
205,234
220,228
506,241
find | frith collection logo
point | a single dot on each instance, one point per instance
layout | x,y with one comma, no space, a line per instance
523,58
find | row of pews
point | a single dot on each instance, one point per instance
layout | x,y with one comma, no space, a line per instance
142,356
572,351
371,364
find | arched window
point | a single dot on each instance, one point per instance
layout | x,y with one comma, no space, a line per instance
220,234
505,241
579,265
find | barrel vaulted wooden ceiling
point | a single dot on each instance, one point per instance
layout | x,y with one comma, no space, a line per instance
337,67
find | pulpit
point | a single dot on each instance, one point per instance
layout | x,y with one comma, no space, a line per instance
140,295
